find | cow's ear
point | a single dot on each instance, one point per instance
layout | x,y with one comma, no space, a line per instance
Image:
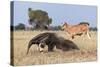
65,22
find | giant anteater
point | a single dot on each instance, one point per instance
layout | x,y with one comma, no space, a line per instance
51,40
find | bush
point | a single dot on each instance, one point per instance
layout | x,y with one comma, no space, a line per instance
93,28
20,26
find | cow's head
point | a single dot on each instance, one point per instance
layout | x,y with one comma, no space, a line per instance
64,26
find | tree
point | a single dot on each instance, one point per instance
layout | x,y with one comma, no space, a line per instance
20,26
39,18
93,28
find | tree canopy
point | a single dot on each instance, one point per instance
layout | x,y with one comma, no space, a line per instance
39,18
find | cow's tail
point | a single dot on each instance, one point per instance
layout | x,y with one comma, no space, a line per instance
88,24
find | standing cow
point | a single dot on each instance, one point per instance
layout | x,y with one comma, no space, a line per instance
79,29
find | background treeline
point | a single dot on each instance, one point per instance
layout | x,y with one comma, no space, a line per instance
40,20
21,26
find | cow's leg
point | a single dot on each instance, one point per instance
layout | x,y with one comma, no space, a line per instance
68,35
72,36
83,35
89,36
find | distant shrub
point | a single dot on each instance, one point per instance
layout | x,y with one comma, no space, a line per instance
93,28
20,26
55,28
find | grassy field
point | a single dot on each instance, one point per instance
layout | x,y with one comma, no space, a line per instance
87,52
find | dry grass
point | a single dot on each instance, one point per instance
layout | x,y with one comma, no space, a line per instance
87,52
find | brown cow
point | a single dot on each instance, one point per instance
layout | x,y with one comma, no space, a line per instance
79,29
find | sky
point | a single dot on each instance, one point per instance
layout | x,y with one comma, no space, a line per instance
60,13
